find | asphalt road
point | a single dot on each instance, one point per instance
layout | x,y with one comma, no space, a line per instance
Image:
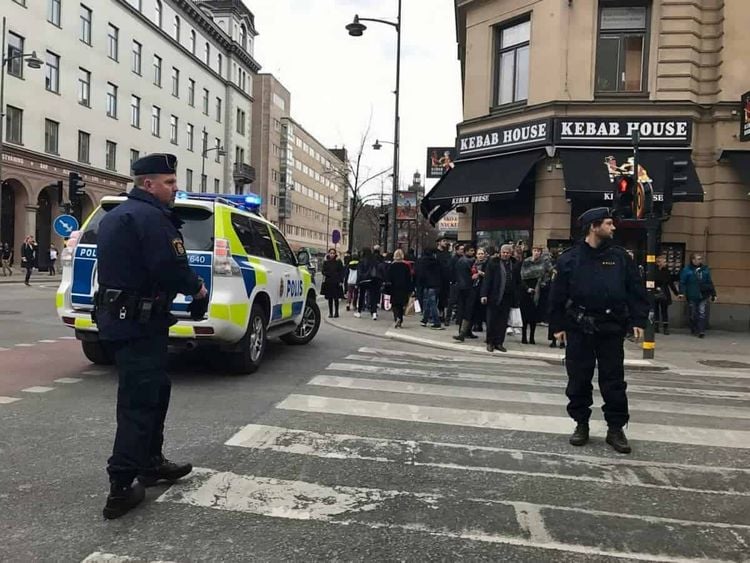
356,448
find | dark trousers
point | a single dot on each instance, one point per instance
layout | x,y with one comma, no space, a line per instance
371,291
497,320
142,402
465,305
52,267
28,273
582,354
398,311
333,307
661,311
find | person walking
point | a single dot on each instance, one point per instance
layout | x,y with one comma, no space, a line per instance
400,286
596,294
352,291
6,257
465,294
535,275
499,292
663,295
333,278
429,274
478,272
52,259
697,287
369,285
142,266
28,256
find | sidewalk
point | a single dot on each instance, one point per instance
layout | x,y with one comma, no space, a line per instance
36,277
728,351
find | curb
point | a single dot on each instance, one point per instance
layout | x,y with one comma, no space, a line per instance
552,359
18,279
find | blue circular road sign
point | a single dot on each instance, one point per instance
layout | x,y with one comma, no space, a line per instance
65,224
336,236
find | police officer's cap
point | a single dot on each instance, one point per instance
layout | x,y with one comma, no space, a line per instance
157,163
596,214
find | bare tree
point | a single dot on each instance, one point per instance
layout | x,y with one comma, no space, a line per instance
355,175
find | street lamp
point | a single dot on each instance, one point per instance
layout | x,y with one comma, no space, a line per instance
356,29
32,61
204,152
377,145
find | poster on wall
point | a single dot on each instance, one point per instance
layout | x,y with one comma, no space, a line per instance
745,118
407,206
449,223
439,160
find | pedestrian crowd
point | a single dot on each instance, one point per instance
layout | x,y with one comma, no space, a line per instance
29,253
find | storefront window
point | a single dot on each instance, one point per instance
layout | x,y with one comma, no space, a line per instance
621,49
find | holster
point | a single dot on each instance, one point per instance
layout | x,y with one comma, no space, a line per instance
124,306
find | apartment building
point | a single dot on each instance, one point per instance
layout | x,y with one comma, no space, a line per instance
122,78
553,91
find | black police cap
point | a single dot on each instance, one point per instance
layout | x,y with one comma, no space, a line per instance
157,163
596,214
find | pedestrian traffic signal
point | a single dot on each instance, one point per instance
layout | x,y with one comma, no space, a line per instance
624,196
675,177
75,186
383,220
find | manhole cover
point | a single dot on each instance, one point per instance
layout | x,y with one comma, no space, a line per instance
724,364
10,312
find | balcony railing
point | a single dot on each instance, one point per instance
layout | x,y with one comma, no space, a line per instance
243,173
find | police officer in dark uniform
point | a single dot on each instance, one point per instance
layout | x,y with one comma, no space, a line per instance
596,295
142,265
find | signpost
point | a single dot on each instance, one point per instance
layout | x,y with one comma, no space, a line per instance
336,237
64,225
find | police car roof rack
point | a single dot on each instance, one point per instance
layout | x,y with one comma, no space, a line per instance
245,202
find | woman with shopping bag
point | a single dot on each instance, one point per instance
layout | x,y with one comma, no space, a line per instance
400,285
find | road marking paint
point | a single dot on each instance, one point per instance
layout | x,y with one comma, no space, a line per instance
489,459
559,382
99,557
509,421
4,349
8,400
68,380
511,396
67,338
37,389
461,360
24,345
47,341
487,520
96,372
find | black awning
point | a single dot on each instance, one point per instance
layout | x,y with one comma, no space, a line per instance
740,161
586,172
478,181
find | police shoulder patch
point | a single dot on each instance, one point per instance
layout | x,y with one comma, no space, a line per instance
179,247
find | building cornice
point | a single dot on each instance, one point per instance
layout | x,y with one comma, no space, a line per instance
234,7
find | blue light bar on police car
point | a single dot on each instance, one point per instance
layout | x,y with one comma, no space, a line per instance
251,201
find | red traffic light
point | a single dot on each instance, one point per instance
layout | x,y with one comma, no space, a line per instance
623,185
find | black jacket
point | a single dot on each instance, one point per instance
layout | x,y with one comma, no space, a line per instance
496,283
462,273
399,283
333,278
140,250
597,279
665,285
429,273
28,254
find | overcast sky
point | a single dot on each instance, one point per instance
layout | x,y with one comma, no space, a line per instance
337,82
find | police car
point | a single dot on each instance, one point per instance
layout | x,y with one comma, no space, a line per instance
258,288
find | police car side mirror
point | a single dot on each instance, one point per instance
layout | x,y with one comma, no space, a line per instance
303,258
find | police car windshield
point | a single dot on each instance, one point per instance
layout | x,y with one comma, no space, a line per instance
197,230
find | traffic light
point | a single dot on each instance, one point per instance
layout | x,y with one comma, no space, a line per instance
675,177
383,220
624,196
75,186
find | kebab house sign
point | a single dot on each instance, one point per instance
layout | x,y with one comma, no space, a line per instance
573,132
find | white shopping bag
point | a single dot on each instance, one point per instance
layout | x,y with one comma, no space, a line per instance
386,302
514,319
417,306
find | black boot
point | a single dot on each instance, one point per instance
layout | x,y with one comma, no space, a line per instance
532,330
164,470
616,438
122,499
580,435
656,328
523,334
553,343
666,329
464,331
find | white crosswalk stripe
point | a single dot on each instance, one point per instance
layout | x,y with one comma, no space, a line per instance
363,430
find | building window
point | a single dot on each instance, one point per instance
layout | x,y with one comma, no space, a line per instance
15,50
135,154
191,92
113,38
243,36
157,70
203,183
84,87
175,82
190,132
219,63
84,147
177,28
240,122
512,82
155,121
111,155
217,186
53,12
52,76
621,49
217,149
51,136
218,109
136,62
204,142
135,111
192,41
188,179
13,125
111,100
205,101
137,4
276,124
207,53
173,124
85,32
158,11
